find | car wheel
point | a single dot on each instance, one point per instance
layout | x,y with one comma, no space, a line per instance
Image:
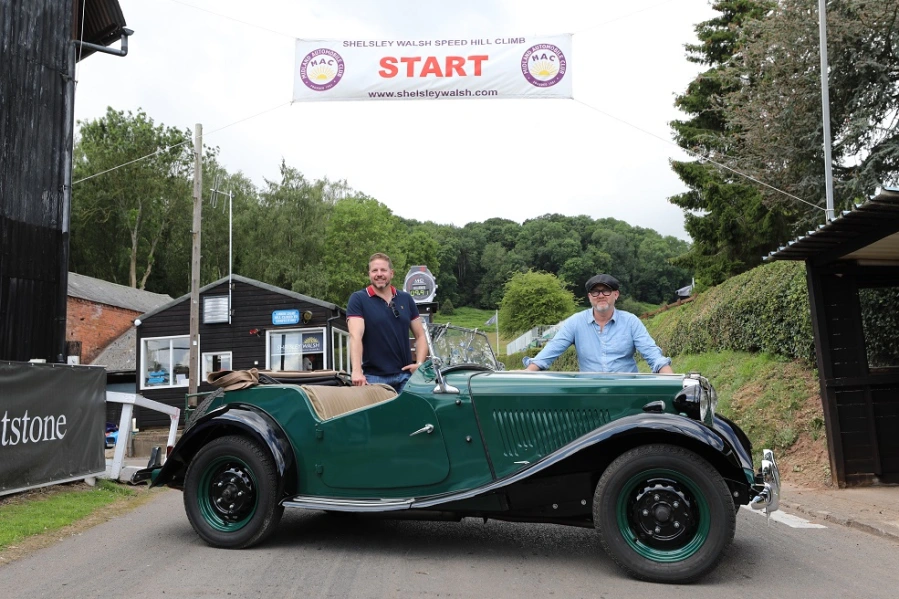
231,493
664,514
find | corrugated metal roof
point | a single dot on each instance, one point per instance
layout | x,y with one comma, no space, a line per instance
120,354
103,23
248,281
867,233
111,294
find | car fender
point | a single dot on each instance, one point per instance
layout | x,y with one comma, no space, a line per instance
230,419
622,434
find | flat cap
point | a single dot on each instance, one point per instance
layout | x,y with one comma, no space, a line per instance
607,280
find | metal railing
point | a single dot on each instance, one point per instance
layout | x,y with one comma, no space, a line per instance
536,336
128,401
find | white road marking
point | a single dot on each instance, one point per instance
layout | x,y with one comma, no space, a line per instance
785,518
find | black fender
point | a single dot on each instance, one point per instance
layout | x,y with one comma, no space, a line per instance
230,419
625,433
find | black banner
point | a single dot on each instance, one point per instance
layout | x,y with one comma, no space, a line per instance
52,419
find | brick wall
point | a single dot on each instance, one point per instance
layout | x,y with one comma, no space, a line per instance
95,325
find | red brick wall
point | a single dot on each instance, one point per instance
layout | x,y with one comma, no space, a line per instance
95,325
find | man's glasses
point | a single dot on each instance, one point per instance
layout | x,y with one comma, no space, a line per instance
598,292
392,306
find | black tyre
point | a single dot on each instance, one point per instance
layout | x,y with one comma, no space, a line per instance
231,493
664,514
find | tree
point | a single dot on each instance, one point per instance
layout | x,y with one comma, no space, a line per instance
532,299
729,221
779,112
282,240
123,217
359,227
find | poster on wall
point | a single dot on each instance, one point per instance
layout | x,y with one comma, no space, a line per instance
52,424
466,67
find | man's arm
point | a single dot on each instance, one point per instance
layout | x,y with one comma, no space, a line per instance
562,340
357,329
421,345
651,352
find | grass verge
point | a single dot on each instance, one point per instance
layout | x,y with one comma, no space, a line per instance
36,518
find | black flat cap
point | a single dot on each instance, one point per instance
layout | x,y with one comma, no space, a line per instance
607,280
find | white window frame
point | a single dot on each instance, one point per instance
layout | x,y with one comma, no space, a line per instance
340,347
203,372
143,361
301,331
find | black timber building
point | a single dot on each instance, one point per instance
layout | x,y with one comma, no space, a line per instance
267,328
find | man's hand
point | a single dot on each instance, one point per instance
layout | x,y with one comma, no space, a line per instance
358,378
411,368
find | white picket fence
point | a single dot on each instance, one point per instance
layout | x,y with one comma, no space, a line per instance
537,335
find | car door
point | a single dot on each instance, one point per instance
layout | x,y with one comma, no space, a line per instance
394,444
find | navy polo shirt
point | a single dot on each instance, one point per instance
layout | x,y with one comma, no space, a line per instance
385,343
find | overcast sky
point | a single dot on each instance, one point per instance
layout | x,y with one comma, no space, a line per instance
231,68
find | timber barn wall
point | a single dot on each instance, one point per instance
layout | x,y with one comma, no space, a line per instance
34,36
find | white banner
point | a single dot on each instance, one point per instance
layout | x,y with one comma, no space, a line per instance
407,69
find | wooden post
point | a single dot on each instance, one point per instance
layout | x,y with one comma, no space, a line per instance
194,363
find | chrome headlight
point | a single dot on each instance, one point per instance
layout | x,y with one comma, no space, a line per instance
698,399
708,402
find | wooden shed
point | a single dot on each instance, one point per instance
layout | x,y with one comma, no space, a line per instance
852,263
266,327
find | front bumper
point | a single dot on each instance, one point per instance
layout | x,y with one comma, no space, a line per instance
767,485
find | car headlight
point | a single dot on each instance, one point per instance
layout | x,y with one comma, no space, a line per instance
708,402
698,399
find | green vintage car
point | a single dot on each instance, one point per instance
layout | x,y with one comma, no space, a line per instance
641,458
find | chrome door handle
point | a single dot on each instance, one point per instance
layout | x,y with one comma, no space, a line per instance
428,428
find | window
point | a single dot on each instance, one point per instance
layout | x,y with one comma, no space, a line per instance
215,309
340,342
165,362
295,349
880,326
215,361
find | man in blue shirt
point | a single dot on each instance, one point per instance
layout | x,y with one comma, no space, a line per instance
605,338
379,318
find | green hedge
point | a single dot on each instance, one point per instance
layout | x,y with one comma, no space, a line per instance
765,309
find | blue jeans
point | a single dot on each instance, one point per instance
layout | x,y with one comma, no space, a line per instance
397,381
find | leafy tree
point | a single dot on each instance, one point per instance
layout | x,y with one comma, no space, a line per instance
122,219
359,227
498,265
532,299
547,242
282,240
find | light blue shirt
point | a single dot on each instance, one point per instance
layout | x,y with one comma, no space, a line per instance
610,349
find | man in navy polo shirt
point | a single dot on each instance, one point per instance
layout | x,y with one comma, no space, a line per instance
379,318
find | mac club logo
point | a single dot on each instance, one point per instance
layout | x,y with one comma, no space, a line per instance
321,69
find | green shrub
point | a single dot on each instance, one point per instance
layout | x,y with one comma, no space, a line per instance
447,308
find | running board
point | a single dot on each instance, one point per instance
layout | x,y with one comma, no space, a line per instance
338,504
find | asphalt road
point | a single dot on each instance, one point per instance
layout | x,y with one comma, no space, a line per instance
153,552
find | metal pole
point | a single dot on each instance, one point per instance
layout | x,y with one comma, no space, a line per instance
62,298
194,364
230,254
825,109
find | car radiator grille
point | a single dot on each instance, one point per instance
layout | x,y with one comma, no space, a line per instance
525,431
